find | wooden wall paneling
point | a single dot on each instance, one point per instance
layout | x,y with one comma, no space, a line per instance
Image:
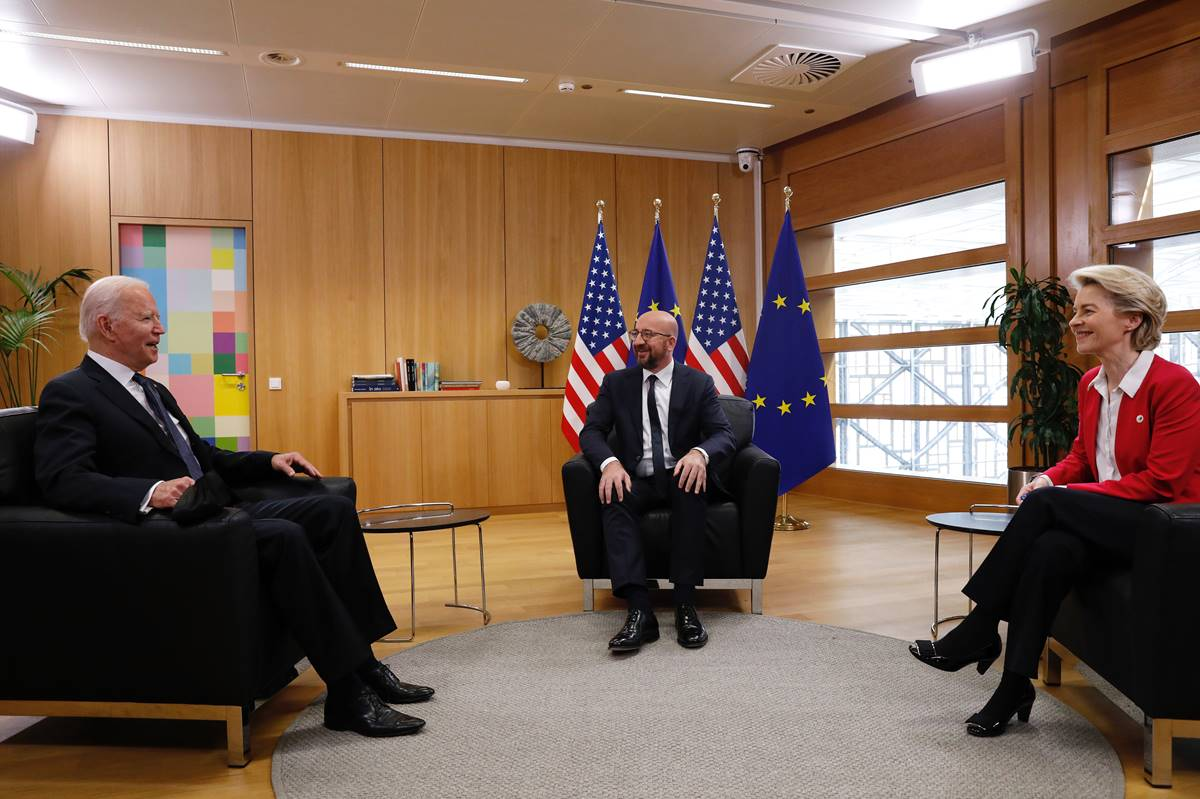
1015,195
686,189
318,299
1071,242
54,216
1155,87
1035,223
549,227
737,191
444,256
185,171
519,454
386,452
1135,32
895,119
560,450
1097,164
923,493
772,220
956,155
450,428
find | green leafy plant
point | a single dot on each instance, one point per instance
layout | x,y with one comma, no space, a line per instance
26,329
1032,316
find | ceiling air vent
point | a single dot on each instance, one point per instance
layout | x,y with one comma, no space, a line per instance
279,58
794,67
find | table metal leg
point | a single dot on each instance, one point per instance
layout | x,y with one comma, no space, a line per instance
487,616
412,597
933,629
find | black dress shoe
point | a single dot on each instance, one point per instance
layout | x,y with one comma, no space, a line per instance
689,631
640,628
363,712
986,724
391,690
926,652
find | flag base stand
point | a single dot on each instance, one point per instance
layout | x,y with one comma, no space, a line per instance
786,522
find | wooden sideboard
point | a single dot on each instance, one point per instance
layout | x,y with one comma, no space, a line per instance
485,449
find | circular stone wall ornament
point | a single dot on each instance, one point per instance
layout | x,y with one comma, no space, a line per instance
541,332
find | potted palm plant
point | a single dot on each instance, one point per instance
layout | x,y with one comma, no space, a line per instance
1032,316
26,329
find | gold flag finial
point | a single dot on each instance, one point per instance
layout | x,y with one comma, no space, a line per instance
787,198
657,209
716,198
599,211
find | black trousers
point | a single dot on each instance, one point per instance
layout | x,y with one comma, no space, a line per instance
315,564
623,541
1057,535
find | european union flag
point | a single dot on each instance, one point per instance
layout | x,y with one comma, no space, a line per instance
658,294
786,379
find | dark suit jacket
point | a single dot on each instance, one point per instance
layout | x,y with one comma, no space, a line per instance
694,419
99,451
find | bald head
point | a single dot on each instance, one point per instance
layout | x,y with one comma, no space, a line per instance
653,351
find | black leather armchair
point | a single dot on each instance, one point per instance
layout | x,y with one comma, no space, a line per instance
737,541
1137,627
153,620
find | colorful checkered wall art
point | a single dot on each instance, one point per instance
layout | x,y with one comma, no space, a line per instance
198,278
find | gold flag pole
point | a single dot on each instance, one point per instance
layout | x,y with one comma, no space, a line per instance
785,521
716,198
657,209
599,211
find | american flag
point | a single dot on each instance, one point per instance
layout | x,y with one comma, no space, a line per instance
601,342
718,344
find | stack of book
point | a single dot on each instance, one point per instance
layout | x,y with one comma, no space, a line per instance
414,375
460,385
373,383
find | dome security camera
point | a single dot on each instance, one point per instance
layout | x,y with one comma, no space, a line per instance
566,86
746,157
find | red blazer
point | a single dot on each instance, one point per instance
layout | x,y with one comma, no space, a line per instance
1158,439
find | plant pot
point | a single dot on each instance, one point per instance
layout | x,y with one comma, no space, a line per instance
1018,478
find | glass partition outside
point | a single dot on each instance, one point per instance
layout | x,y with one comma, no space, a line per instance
950,223
931,301
1174,262
965,374
1155,181
955,450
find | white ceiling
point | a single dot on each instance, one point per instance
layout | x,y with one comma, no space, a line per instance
668,45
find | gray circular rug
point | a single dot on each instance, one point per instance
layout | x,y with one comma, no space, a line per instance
770,708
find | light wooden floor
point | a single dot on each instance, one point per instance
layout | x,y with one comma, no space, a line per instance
861,566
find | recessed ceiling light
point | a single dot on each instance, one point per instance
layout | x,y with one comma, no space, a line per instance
439,73
669,96
165,48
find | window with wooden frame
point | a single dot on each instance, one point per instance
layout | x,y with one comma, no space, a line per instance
919,386
1154,225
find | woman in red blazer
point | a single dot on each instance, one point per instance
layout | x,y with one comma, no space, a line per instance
1138,443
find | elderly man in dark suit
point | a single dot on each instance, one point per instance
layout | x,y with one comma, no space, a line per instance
112,441
670,433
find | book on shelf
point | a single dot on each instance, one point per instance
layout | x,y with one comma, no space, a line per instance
373,383
460,385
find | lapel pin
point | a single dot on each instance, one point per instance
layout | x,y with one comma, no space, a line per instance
1140,418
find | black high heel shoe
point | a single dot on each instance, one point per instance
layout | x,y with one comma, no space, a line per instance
985,725
926,652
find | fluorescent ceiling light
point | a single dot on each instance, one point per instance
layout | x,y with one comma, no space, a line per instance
440,73
163,48
976,62
693,97
17,122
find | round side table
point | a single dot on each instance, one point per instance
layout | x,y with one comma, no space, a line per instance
972,522
426,518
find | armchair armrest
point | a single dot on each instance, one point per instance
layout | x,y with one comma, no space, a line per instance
755,488
1165,568
580,492
165,613
277,486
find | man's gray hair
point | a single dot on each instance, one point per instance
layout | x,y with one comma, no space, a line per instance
103,298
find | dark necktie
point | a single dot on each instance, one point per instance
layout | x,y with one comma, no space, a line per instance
160,411
656,434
